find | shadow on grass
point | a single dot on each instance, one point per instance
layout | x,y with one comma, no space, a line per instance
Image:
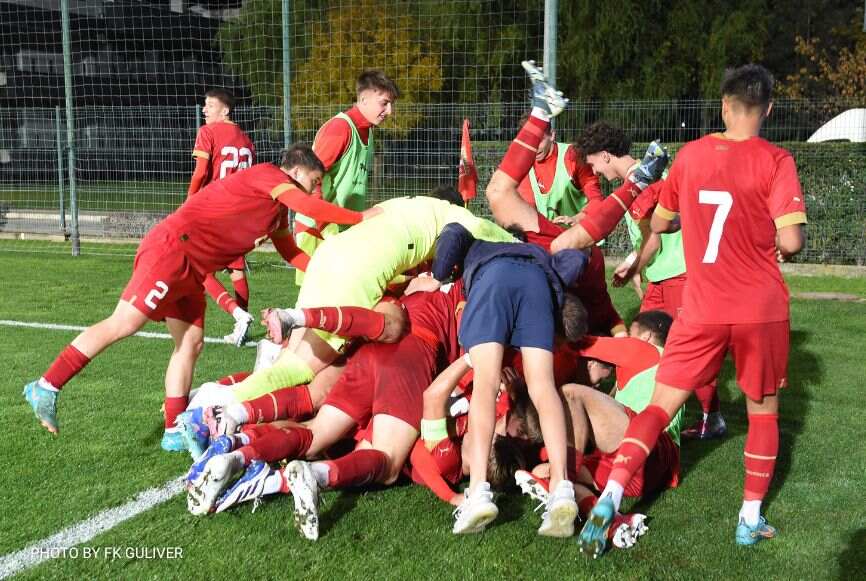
340,504
853,558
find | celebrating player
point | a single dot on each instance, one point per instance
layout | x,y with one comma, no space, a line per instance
205,234
345,145
740,203
221,149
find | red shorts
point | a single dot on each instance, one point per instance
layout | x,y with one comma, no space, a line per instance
661,469
448,457
694,353
666,295
386,378
164,285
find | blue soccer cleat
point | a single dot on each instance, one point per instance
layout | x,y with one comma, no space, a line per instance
220,445
747,535
44,404
250,486
172,441
194,430
593,537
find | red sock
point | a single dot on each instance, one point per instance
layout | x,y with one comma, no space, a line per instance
66,366
173,407
242,292
603,220
639,440
219,294
357,468
585,504
708,395
289,403
520,156
280,444
234,378
346,321
762,447
257,431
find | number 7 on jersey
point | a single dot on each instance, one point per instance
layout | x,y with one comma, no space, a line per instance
724,201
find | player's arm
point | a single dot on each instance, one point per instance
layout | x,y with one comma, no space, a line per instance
199,175
202,153
295,199
787,206
284,243
434,423
629,355
790,240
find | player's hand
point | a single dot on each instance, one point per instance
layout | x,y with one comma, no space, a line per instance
567,220
422,284
371,212
621,273
651,167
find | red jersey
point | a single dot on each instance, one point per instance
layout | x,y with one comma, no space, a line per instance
334,136
435,315
582,177
229,217
226,146
732,196
643,206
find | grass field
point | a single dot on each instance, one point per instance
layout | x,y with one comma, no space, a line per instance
108,451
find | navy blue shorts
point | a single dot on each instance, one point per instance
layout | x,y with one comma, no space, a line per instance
509,302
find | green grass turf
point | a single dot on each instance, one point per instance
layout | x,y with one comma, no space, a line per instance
109,450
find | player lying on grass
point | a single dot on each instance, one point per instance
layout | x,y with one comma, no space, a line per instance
740,203
659,256
222,149
206,233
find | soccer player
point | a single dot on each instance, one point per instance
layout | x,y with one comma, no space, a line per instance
221,149
559,184
206,233
740,203
345,145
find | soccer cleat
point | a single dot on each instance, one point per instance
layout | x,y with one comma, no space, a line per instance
558,519
172,440
475,512
202,494
593,537
239,333
44,404
702,430
194,431
279,322
544,95
626,529
266,354
747,535
219,422
651,167
532,486
305,492
250,486
219,445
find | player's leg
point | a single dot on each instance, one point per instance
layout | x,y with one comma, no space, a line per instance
42,393
561,511
241,287
188,342
385,323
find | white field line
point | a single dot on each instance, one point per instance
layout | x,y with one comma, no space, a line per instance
58,544
145,334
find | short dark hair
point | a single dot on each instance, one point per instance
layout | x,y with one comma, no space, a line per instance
300,154
508,455
656,322
517,231
223,96
378,81
523,409
602,136
574,319
447,193
751,85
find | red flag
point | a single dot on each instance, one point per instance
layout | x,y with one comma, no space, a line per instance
467,181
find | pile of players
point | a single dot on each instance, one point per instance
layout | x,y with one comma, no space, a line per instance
442,345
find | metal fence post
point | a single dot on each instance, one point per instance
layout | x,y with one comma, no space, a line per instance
70,126
550,8
58,131
287,78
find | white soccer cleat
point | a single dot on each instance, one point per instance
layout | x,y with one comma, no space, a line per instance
558,519
305,492
476,511
544,95
267,353
532,486
628,529
242,327
220,421
203,493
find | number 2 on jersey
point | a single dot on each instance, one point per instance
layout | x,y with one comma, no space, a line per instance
724,201
235,158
